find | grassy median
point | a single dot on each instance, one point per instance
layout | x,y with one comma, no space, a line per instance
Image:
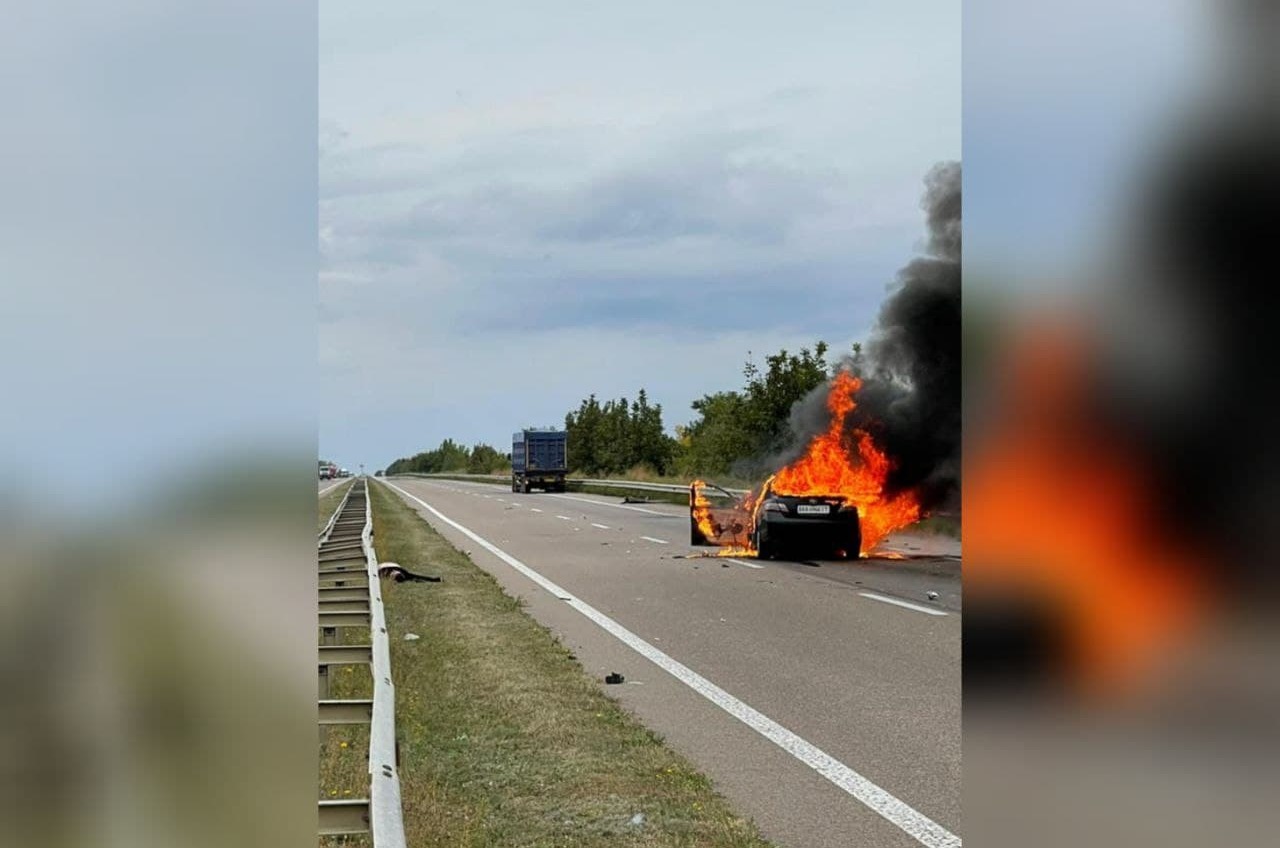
505,740
329,502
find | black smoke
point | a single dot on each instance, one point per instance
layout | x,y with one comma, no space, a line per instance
910,365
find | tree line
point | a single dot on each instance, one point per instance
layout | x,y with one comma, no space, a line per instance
732,432
452,457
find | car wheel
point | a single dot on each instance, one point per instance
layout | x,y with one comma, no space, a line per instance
765,549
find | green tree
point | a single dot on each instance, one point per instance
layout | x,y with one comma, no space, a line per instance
750,424
485,459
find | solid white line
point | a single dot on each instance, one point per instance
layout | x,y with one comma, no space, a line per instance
331,487
601,526
534,509
564,517
744,562
513,503
616,506
499,500
897,603
915,824
658,541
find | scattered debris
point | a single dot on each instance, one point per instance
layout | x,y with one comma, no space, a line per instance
933,596
411,637
637,820
636,500
614,677
400,574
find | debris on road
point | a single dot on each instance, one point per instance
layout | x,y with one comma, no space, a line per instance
401,574
933,596
614,678
411,637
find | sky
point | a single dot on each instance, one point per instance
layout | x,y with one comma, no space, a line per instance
524,204
158,235
1066,105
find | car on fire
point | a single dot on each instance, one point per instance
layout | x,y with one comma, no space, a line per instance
806,524
777,524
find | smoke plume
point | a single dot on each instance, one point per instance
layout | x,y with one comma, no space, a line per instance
910,366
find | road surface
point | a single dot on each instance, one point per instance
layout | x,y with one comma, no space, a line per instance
851,660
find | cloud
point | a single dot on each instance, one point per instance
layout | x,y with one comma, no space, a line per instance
676,214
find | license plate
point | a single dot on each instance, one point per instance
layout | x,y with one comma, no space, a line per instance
813,509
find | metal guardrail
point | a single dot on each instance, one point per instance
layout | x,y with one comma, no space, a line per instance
350,595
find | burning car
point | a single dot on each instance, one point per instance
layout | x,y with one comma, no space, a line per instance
817,524
773,524
835,497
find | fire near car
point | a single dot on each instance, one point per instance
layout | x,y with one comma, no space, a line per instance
775,524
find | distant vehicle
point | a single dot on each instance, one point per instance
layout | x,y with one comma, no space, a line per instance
342,472
328,470
539,458
378,473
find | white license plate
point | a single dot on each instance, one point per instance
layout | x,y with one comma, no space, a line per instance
813,509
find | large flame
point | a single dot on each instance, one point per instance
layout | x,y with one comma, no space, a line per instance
1058,510
850,465
857,472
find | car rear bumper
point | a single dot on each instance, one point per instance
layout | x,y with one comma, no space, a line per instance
828,534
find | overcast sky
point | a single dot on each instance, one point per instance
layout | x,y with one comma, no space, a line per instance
523,204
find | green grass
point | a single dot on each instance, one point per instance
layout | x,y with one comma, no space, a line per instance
329,502
505,740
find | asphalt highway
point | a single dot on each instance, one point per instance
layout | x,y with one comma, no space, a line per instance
822,698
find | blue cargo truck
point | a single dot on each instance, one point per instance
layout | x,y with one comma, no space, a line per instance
538,458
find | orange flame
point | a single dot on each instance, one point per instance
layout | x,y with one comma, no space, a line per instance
829,466
1057,509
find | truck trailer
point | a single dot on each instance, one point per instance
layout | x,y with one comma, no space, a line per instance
538,458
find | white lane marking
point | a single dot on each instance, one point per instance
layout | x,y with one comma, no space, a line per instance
655,541
744,562
513,503
331,487
564,517
915,824
534,509
897,603
616,506
601,526
499,500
